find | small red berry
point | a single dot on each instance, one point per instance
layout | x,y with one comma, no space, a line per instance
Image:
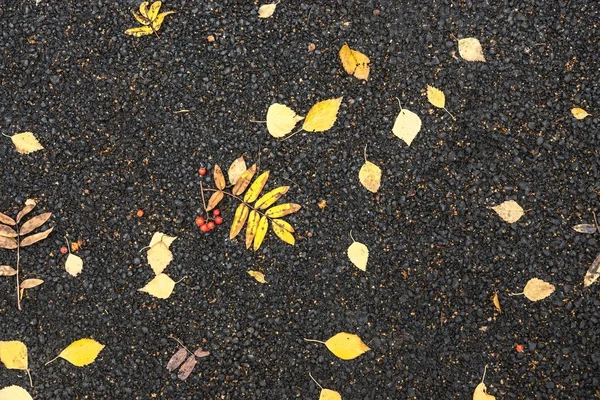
218,220
519,348
140,213
199,221
204,228
211,225
64,250
202,171
216,212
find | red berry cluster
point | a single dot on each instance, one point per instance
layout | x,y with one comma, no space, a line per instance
207,226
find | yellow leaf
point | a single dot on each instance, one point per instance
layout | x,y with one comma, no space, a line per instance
243,181
261,231
407,125
140,18
153,10
256,187
219,178
281,120
251,227
322,115
496,302
470,50
159,256
271,197
579,113
481,394
26,142
157,22
236,169
346,346
259,276
510,211
283,230
370,176
214,200
161,286
139,31
282,210
355,63
74,265
161,237
239,219
436,97
328,394
358,253
13,354
266,10
536,289
30,283
144,8
81,352
14,393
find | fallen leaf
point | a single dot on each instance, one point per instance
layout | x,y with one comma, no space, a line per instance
31,239
7,231
470,49
239,219
158,21
252,227
259,276
142,19
8,243
201,353
407,125
346,346
219,177
579,113
161,237
236,169
81,352
266,10
14,393
283,230
140,31
5,219
282,210
281,120
322,204
30,283
256,187
214,200
270,198
370,176
153,10
34,223
261,231
355,63
496,302
480,390
13,354
74,265
29,205
159,256
328,394
581,228
322,115
358,253
161,286
7,270
177,359
592,273
26,142
244,180
436,97
311,47
187,368
536,289
509,211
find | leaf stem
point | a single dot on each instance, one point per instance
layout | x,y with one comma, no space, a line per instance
365,152
54,359
29,375
351,236
484,370
595,221
3,134
258,122
18,266
292,134
311,377
314,340
400,104
180,343
203,201
449,113
516,294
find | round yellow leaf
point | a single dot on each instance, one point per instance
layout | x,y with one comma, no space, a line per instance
358,253
328,394
13,354
536,289
480,393
14,393
281,120
161,286
355,63
370,176
346,346
26,142
266,10
322,115
407,125
82,352
436,97
470,49
74,265
579,113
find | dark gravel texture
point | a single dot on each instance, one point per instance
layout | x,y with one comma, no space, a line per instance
102,103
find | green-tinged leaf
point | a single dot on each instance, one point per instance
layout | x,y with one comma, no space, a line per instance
282,210
239,219
243,181
34,223
251,227
139,31
256,187
263,227
214,200
280,227
219,178
31,239
270,198
7,231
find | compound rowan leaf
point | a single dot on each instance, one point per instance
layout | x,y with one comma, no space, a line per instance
266,10
157,22
283,230
581,228
346,346
187,368
29,205
536,289
370,176
5,219
281,120
592,273
219,178
8,243
236,169
34,223
270,198
74,265
7,231
259,276
7,270
244,180
322,115
436,97
140,31
30,283
407,125
26,142
14,392
81,352
470,49
161,286
214,200
159,256
177,359
282,210
510,211
13,354
355,63
358,253
256,187
579,113
252,227
239,219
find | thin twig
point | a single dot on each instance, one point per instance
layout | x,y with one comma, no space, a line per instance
203,201
595,221
18,268
180,343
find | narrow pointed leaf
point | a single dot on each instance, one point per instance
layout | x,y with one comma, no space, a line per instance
5,219
157,22
153,10
7,231
31,239
239,219
219,178
280,227
177,359
581,228
144,8
282,210
29,205
270,198
140,31
34,223
244,180
263,227
251,227
7,243
187,368
259,276
30,283
214,200
140,18
256,187
7,270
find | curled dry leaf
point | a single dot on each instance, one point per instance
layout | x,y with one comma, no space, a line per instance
244,180
187,368
470,49
266,10
81,352
201,353
26,142
259,276
536,289
592,273
510,211
161,286
158,21
14,392
74,265
579,113
30,283
177,359
236,169
281,120
581,228
322,115
496,302
358,253
7,270
355,63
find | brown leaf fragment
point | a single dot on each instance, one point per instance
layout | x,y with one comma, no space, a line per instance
187,367
34,223
29,204
236,169
177,359
7,231
581,228
244,180
496,302
7,270
29,240
30,283
5,219
214,200
7,243
219,178
201,353
593,273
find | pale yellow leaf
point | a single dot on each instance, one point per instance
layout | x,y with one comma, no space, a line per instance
74,265
370,176
266,10
161,286
140,31
407,125
82,352
259,276
481,394
470,49
358,253
579,113
322,115
236,169
26,142
354,62
13,354
496,302
144,8
436,97
346,346
30,283
536,289
281,120
14,393
510,211
261,231
239,219
161,237
252,227
159,256
328,394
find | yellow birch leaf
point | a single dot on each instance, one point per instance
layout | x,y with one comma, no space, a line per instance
328,394
407,125
346,346
470,49
30,283
256,187
139,31
161,286
282,210
579,113
157,22
358,253
81,352
214,200
161,237
144,8
14,392
281,120
355,63
370,176
322,115
140,18
436,97
74,265
13,354
510,211
536,289
239,219
244,180
283,230
270,198
159,256
261,231
266,10
153,10
481,394
26,142
259,276
251,227
236,169
219,177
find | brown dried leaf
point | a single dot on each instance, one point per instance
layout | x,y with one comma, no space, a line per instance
214,200
496,302
239,219
7,231
29,204
29,240
581,228
201,353
236,169
187,367
30,283
5,219
7,270
7,243
219,178
509,211
536,289
34,223
256,187
592,273
244,180
177,359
